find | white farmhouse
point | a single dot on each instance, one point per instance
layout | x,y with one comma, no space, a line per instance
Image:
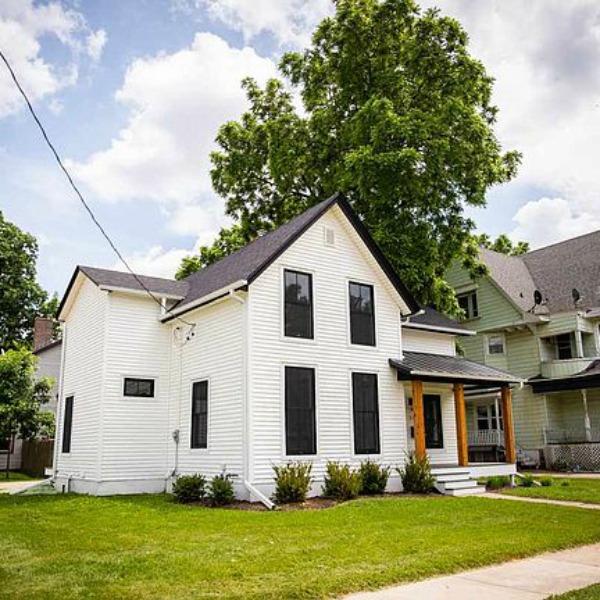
304,345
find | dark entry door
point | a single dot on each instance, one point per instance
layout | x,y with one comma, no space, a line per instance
432,407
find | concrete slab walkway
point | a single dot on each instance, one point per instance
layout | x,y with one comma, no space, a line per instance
528,579
14,487
541,500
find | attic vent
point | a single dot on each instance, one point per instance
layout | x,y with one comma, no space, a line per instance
329,236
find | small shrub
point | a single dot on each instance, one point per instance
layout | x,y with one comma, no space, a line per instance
562,465
292,482
416,475
565,483
497,482
373,477
546,481
221,492
189,488
341,482
527,481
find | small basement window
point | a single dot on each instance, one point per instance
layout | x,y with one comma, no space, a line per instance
138,388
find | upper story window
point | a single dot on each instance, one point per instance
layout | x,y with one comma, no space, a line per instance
496,344
298,304
564,346
138,388
362,314
468,303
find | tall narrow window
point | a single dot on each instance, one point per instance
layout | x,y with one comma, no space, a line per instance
199,437
67,425
366,413
434,435
362,314
298,305
468,303
300,418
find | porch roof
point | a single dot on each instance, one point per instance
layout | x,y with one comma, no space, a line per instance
449,369
584,380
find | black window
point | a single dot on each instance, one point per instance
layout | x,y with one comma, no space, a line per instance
199,414
362,314
564,346
468,303
432,407
298,305
300,426
68,425
141,388
366,413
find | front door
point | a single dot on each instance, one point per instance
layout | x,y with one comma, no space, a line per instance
432,407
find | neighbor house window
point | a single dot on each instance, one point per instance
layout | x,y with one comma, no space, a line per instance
495,344
138,388
486,417
564,346
67,425
298,305
300,414
468,303
366,413
362,314
199,434
432,408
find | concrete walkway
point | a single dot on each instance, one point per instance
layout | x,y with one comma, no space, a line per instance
14,487
541,500
529,579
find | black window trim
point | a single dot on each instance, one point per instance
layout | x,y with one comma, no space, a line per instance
131,378
350,282
314,369
311,275
352,415
208,391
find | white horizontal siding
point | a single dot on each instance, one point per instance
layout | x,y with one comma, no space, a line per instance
49,366
414,340
14,459
330,352
84,358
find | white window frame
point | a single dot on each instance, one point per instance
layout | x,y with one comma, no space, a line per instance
489,337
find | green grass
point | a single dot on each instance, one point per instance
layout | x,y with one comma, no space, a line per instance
577,490
148,547
588,593
15,476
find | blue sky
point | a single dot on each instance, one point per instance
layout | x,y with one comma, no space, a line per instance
132,93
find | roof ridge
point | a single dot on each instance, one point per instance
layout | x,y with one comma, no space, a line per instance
572,239
169,279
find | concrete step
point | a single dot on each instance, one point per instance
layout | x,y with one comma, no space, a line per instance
457,485
471,491
435,471
451,477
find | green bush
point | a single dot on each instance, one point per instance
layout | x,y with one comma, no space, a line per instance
221,492
527,481
497,482
565,483
546,481
373,477
416,475
189,488
341,482
292,482
562,465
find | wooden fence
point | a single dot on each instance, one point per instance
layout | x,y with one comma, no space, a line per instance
36,457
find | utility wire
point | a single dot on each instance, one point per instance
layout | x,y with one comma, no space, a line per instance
80,195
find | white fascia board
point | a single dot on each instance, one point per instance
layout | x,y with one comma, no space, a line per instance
436,329
114,288
465,377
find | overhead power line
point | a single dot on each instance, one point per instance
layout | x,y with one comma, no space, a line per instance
80,195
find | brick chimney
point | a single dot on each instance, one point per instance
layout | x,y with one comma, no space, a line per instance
42,332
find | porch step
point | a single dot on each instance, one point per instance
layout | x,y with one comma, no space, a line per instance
472,491
455,482
437,471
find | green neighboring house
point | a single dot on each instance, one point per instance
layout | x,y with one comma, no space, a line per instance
538,316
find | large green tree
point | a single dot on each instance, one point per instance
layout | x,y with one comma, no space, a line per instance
21,297
502,244
396,114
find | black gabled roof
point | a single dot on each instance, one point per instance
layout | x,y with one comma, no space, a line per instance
448,369
250,261
435,321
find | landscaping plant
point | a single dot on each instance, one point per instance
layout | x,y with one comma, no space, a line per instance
189,488
497,482
416,475
527,481
546,481
221,492
373,477
292,482
341,482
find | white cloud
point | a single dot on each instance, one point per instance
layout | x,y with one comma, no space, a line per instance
23,24
156,261
291,22
549,220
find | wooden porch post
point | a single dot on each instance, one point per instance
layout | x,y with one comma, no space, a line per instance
461,424
419,418
509,435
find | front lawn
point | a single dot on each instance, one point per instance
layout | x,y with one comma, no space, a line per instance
575,490
148,547
15,476
589,593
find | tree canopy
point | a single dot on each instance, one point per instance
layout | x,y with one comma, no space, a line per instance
395,113
21,297
502,244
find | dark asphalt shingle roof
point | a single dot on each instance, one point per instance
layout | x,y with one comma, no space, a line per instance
451,368
436,320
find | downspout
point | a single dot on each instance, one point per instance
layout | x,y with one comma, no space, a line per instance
59,403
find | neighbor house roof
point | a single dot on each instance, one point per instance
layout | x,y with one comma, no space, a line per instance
249,262
586,379
432,320
448,369
554,270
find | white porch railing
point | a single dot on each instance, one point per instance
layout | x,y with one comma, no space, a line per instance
486,437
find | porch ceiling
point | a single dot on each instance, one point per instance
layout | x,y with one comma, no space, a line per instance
449,369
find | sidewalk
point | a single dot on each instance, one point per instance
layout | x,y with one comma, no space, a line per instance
529,579
541,500
14,487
